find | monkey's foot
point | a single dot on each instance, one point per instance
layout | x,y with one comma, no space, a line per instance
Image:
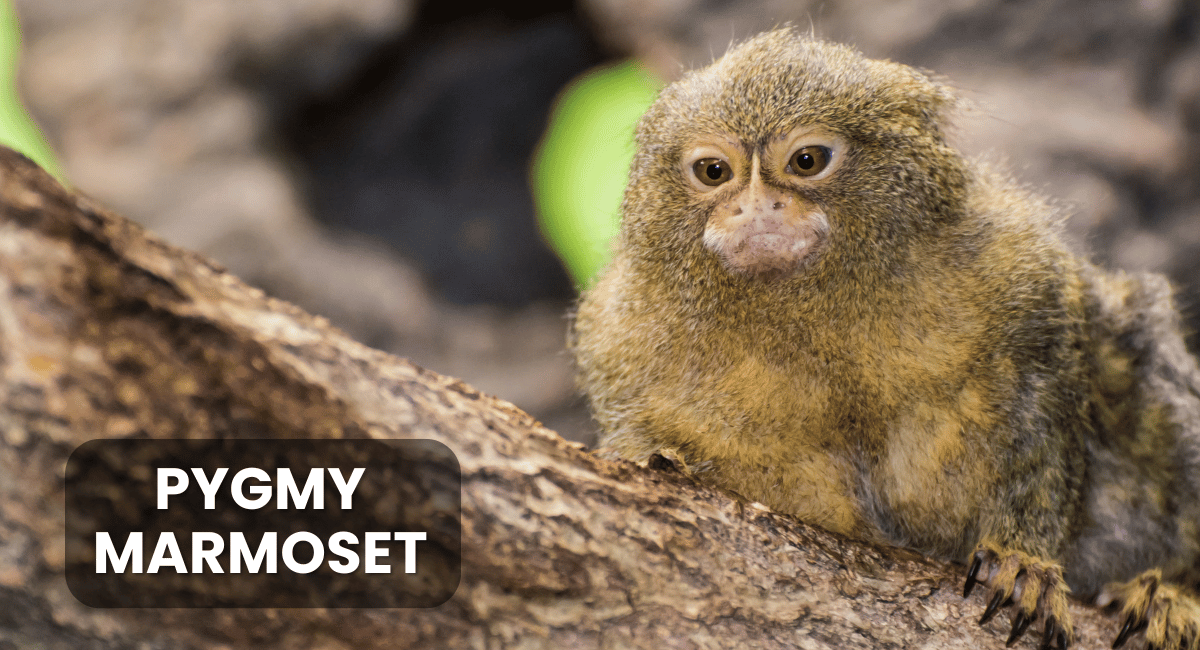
1169,615
1032,587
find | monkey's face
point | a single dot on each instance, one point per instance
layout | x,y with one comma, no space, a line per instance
760,222
789,163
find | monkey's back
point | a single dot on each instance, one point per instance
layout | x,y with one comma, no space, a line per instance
1142,503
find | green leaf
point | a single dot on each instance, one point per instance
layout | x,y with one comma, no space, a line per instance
582,165
17,129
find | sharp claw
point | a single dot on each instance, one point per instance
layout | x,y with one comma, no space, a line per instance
1062,639
1048,633
992,608
1020,623
1126,631
972,574
1123,635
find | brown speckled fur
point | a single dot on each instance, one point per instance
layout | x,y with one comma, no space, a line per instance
944,375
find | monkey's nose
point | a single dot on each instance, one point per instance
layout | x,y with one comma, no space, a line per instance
757,202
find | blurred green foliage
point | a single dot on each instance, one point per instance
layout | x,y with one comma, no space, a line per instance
582,165
17,130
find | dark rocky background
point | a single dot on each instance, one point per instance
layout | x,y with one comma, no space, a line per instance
367,159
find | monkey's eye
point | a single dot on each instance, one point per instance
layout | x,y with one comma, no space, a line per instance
712,171
809,161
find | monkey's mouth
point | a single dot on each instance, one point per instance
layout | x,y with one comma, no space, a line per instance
766,246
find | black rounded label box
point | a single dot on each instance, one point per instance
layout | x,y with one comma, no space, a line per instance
398,544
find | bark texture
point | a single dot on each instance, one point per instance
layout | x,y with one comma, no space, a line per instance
107,332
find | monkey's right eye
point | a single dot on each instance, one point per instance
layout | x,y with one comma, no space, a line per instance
712,171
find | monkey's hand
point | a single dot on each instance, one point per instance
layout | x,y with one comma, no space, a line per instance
1032,587
664,459
1169,615
669,460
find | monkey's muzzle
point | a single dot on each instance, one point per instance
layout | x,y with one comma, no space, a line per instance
771,234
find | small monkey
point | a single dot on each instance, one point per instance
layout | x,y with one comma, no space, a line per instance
819,304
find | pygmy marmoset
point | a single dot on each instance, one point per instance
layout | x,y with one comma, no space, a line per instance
819,304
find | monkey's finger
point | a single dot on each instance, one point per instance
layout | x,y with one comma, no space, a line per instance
1061,635
973,574
1054,634
992,608
1132,626
1123,635
1048,633
1020,623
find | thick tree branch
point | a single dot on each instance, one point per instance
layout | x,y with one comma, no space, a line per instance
107,332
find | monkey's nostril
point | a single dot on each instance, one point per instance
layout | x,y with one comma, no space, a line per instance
778,205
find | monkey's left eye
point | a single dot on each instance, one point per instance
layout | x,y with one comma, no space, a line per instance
809,161
712,171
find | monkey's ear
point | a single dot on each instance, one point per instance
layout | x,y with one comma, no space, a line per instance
922,94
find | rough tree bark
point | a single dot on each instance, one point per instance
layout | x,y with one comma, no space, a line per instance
107,332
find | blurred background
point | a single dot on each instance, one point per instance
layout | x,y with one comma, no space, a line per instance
388,163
